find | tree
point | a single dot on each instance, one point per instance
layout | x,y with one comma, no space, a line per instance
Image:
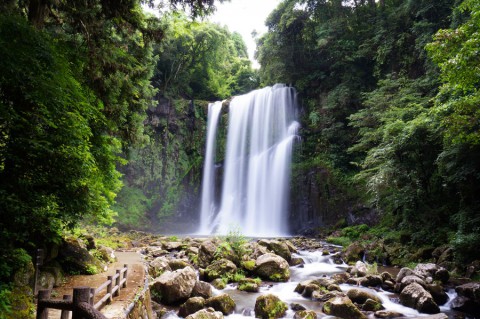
456,109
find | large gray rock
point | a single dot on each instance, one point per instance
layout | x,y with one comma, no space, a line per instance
206,253
272,267
360,296
206,314
432,271
174,286
202,289
468,298
403,273
278,247
415,296
158,266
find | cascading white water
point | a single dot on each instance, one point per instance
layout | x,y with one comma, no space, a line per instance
261,132
208,183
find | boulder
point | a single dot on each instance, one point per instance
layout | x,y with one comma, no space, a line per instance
178,264
191,306
403,273
279,248
387,314
305,314
372,305
415,296
297,307
360,296
342,307
257,250
371,281
74,257
220,268
223,303
468,298
269,306
296,261
354,252
202,289
272,267
206,253
219,283
106,254
174,286
158,266
172,245
407,280
206,314
438,293
249,285
359,270
433,271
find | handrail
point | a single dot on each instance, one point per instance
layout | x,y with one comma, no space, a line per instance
83,307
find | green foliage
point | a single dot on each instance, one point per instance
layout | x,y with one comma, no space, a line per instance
132,204
341,241
201,60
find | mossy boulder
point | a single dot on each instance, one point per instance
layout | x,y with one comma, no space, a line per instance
219,283
269,306
220,268
272,267
75,258
191,306
342,307
249,285
305,314
278,247
223,303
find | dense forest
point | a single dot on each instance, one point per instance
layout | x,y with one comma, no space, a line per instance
92,91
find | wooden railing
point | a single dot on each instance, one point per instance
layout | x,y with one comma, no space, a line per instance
81,304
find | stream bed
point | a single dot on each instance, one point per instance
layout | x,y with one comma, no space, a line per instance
316,265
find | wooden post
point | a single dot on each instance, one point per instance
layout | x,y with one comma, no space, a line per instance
42,311
66,313
125,276
92,295
80,295
38,263
117,282
109,288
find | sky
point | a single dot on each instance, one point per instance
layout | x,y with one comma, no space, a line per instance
244,16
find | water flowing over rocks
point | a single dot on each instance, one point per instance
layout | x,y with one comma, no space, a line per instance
321,285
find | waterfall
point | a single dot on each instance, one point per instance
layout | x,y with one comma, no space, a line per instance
208,183
254,195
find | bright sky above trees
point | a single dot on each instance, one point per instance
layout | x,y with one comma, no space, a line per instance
245,16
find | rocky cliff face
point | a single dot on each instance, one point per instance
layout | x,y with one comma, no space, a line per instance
169,172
